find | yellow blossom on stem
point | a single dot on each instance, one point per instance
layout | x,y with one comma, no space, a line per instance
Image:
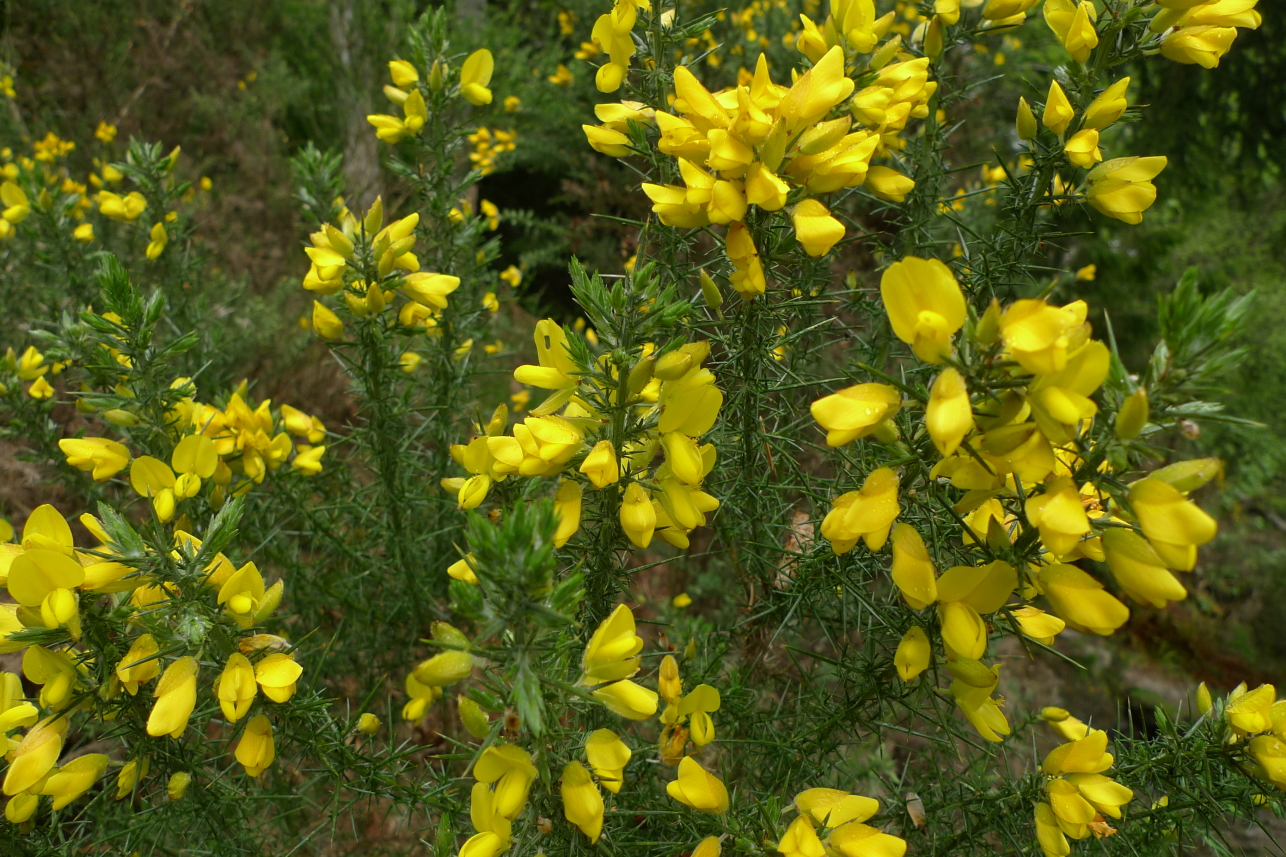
256,749
475,75
924,304
697,788
582,802
913,653
866,514
175,696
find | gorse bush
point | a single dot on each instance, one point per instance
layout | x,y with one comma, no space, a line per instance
732,561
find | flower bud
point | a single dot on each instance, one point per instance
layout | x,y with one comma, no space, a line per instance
1133,415
1204,702
475,720
368,724
933,38
177,787
710,291
1026,121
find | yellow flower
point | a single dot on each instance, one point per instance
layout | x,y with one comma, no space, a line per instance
698,788
1122,187
84,233
912,655
699,704
613,650
1073,26
1080,600
403,74
567,505
913,571
1202,45
1107,108
1139,571
1039,625
866,514
638,518
1039,336
1025,123
73,779
277,675
861,840
1270,754
562,77
35,755
948,416
444,668
972,688
40,389
608,755
1082,148
582,802
236,688
159,238
175,696
965,593
556,368
429,289
889,184
512,104
127,208
815,229
140,664
627,699
132,772
1058,110
16,205
1049,834
1174,525
105,458
1250,712
475,74
326,323
508,768
924,304
256,750
800,840
833,807
600,465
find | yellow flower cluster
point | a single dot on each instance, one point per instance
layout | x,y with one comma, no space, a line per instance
1201,33
48,577
31,366
505,772
674,389
233,447
406,92
341,260
612,34
1257,715
1077,793
1015,455
488,145
761,144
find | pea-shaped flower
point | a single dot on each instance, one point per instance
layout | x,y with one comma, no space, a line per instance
698,788
924,304
175,696
256,749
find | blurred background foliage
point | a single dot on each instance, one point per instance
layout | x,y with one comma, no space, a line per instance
243,85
